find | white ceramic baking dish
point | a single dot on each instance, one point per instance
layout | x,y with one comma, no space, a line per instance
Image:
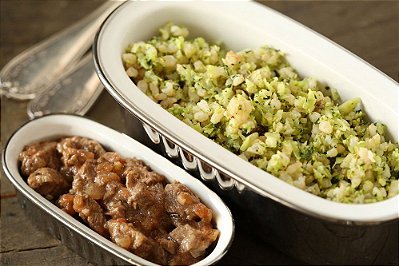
75,234
241,25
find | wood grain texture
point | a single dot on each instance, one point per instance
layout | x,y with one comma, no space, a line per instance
367,28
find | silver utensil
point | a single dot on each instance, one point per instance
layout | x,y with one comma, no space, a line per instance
74,92
30,72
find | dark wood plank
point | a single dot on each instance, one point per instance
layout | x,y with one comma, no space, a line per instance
367,28
57,255
22,243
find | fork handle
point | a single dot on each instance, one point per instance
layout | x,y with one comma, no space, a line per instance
29,72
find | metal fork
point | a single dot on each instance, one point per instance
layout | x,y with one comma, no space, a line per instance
29,73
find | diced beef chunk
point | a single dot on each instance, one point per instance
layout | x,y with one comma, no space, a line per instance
111,162
48,182
194,240
83,182
91,212
115,200
92,181
185,206
146,206
75,151
65,202
126,236
184,259
136,170
38,155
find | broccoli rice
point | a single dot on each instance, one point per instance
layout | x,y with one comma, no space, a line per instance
253,103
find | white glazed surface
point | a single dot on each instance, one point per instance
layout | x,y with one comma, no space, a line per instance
54,126
242,25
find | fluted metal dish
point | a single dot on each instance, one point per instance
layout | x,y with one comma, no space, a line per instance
305,226
75,234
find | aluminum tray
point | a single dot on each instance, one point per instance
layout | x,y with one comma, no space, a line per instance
75,234
305,226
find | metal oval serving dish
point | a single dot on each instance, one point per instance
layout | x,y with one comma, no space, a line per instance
301,224
75,234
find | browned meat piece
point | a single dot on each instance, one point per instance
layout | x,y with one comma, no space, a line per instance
92,182
194,240
48,182
168,244
65,202
86,173
104,178
115,200
134,163
146,207
75,151
91,212
38,155
81,143
108,170
184,205
83,182
184,259
111,162
137,170
126,236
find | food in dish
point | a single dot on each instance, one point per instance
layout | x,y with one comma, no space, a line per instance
253,103
121,198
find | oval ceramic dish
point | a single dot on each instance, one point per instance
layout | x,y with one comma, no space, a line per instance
75,234
301,224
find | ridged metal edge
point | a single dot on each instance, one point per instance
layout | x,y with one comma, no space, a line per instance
191,162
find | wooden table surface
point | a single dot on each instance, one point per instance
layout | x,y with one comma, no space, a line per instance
366,28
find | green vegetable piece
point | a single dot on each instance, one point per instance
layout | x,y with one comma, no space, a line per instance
248,141
348,106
